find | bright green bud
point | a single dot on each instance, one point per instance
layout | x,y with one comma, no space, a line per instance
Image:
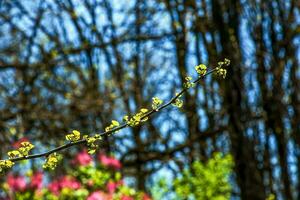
188,82
137,118
113,125
5,165
14,154
201,69
51,161
91,143
25,148
74,136
156,102
178,103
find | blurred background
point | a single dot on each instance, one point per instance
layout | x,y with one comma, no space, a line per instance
78,64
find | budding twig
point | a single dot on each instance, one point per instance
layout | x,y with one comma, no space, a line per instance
142,116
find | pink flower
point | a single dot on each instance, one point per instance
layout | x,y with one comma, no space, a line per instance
64,182
69,182
99,195
36,180
104,159
115,163
82,158
16,183
109,161
125,197
54,187
112,186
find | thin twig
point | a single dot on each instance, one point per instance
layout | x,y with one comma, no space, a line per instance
83,141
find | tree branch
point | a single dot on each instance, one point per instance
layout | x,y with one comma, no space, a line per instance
106,133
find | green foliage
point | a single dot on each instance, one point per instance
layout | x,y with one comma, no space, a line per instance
203,181
271,197
160,189
206,180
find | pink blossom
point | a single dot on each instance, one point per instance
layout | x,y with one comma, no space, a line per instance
109,161
99,195
36,180
69,182
54,187
112,186
104,159
125,197
82,158
64,182
115,163
16,183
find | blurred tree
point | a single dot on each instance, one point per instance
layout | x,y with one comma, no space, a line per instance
70,64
